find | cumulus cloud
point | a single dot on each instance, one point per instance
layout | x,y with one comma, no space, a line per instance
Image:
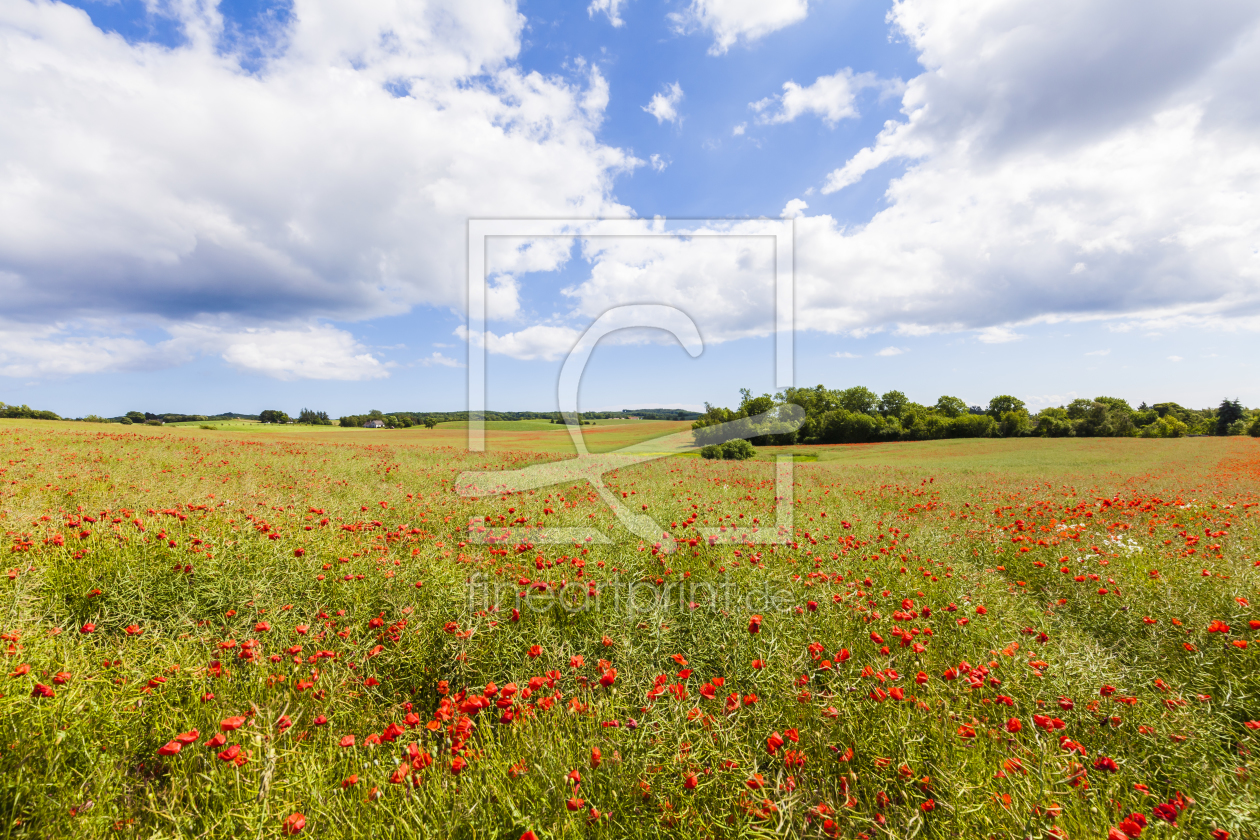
331,181
664,105
735,21
313,352
437,359
610,8
891,351
1064,161
317,351
833,98
541,341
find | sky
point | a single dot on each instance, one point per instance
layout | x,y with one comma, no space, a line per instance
239,205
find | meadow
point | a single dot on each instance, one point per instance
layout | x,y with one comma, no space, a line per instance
293,632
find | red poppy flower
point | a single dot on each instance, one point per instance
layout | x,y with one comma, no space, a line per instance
293,824
41,690
231,724
170,748
188,737
754,624
574,804
1013,725
217,741
690,781
230,753
347,741
608,677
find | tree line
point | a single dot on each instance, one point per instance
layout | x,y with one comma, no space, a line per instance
858,415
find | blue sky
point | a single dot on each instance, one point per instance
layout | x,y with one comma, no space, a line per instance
246,205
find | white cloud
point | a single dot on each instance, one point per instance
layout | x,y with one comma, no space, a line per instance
1099,352
1062,161
891,351
317,352
540,341
998,335
846,355
794,209
1174,358
169,183
611,8
658,163
301,352
734,21
664,105
441,361
739,129
831,97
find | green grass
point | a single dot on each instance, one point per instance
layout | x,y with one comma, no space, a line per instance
965,523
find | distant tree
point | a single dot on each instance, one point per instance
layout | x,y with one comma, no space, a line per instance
751,406
1229,413
951,406
430,422
136,416
892,404
1003,404
858,399
272,415
314,418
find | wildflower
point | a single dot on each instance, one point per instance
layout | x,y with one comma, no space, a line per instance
170,748
754,624
293,824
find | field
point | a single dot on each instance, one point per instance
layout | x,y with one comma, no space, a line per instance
248,633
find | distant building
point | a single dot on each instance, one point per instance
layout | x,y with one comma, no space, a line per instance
374,424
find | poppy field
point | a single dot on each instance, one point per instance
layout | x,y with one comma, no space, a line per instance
218,634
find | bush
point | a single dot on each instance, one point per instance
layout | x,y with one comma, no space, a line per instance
737,450
713,451
1254,431
1167,426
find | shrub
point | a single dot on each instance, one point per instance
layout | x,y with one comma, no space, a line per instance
737,450
713,451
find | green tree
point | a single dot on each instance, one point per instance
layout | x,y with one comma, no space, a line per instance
1229,413
272,415
857,399
135,416
314,418
430,422
1001,405
950,406
892,404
